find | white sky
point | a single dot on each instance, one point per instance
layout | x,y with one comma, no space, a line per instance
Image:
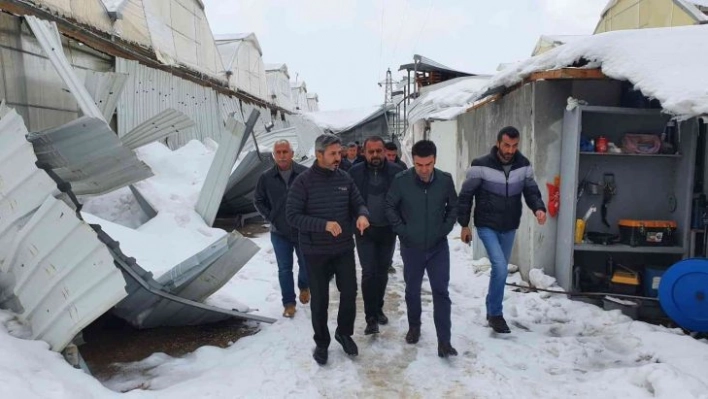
341,49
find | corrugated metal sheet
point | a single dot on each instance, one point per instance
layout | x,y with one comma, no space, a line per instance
23,187
87,154
149,92
189,269
216,275
174,310
105,88
166,123
147,208
49,38
215,183
59,277
238,198
266,140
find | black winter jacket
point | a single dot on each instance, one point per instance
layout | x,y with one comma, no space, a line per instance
498,194
361,173
270,196
319,195
422,214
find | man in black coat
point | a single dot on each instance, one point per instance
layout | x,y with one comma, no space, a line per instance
392,155
422,206
323,204
497,181
375,248
269,200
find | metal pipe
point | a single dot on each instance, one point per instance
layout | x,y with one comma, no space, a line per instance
588,294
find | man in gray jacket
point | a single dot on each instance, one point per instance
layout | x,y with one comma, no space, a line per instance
269,200
421,207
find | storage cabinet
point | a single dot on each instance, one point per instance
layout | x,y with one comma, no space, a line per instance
648,187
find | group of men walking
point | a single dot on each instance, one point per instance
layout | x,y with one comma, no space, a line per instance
323,213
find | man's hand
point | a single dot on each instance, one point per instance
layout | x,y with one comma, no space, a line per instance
362,223
541,217
466,235
334,228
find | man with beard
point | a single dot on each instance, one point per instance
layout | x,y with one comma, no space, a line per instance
375,247
323,204
269,200
497,181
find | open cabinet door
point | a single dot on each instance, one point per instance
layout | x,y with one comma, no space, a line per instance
570,142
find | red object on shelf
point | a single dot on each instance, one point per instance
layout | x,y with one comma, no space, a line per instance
601,144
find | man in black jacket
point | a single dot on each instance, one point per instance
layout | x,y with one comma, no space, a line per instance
322,204
392,155
497,181
269,200
421,206
373,179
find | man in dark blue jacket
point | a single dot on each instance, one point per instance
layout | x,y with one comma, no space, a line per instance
422,206
375,248
497,181
323,204
269,200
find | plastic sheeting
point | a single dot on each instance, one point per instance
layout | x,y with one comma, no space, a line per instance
243,66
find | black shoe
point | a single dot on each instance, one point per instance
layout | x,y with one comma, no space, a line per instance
320,355
381,317
413,335
391,270
347,343
445,349
498,324
372,327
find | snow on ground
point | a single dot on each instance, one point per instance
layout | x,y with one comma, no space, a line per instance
558,349
340,120
177,232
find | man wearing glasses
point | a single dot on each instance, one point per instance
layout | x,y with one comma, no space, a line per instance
376,246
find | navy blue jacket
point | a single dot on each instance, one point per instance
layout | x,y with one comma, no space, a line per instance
270,196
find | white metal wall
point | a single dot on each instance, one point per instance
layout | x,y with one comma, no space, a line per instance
150,91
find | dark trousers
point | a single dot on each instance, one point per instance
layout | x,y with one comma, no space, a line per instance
436,261
375,249
321,268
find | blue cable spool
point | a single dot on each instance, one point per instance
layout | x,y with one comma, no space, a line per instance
683,294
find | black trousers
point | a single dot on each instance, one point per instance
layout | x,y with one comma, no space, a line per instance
375,249
321,268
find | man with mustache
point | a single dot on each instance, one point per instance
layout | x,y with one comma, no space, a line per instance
269,200
322,205
497,181
375,247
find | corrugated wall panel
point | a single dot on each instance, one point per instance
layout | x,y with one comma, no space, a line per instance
149,92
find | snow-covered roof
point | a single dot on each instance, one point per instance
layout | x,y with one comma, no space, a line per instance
298,84
668,64
235,38
276,67
342,120
446,100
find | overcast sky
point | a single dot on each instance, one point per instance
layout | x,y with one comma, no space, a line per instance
341,48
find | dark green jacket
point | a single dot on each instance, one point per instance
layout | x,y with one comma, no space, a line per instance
422,214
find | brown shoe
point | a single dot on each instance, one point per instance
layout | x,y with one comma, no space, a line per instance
304,296
289,310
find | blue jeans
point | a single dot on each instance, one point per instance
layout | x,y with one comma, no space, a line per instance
283,248
498,245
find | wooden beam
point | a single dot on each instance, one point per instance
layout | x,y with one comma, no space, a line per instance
567,73
118,47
